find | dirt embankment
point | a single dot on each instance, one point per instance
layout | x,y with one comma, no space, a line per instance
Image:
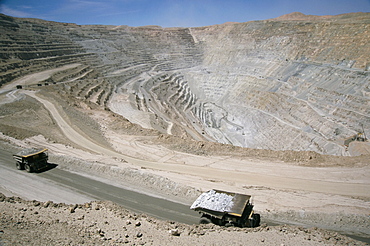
104,223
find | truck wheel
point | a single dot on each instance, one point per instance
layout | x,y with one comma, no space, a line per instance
28,168
257,220
204,220
19,165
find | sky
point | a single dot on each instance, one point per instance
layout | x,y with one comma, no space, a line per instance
173,13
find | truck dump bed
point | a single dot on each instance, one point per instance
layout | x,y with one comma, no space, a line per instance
219,202
29,152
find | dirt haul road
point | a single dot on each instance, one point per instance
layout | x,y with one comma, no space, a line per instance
293,178
58,185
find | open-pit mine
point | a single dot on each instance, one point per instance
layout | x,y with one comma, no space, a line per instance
292,83
278,109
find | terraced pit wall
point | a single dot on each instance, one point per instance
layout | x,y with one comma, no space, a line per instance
275,84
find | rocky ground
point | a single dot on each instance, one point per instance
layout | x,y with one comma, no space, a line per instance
103,223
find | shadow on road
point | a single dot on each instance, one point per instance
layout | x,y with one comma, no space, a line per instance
49,167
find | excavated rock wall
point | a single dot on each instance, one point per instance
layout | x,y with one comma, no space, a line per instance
276,84
299,85
29,46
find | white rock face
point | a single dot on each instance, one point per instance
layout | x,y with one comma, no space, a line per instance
270,92
268,85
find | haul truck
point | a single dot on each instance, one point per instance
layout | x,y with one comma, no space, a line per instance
31,159
226,209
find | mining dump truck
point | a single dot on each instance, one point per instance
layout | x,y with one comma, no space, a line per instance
360,136
226,209
31,159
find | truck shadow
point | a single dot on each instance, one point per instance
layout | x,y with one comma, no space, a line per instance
48,168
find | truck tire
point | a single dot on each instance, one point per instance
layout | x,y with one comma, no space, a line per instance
256,220
28,168
204,220
19,165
